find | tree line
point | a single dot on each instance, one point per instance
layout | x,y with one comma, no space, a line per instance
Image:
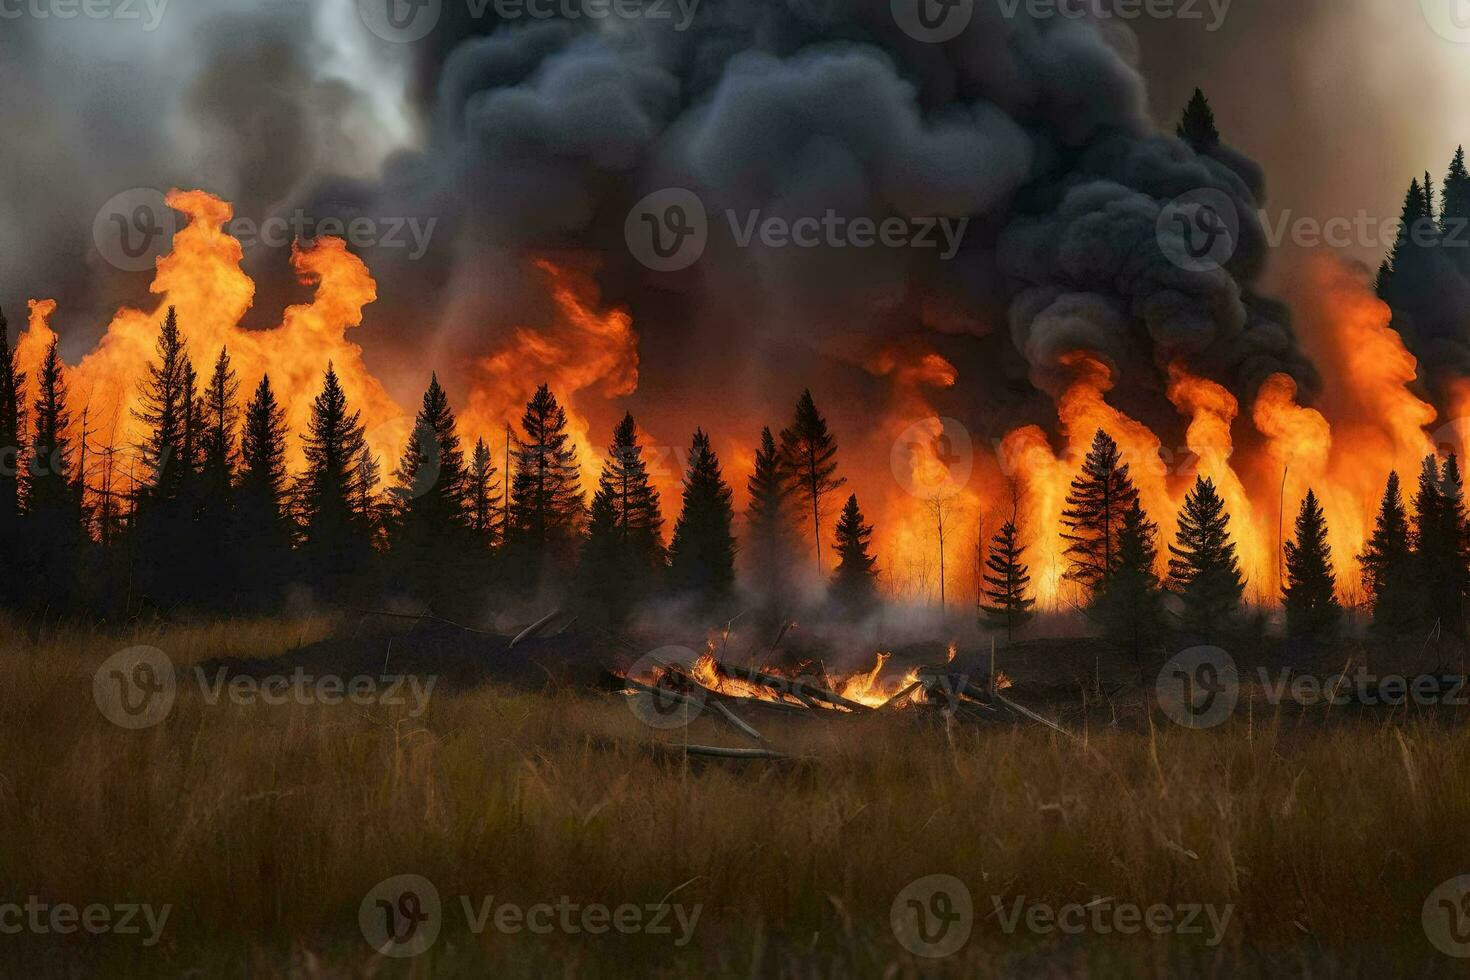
207,516
1415,567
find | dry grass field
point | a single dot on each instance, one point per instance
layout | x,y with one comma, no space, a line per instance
263,827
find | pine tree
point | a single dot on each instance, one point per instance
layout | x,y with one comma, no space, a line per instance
430,503
1130,606
1204,571
1310,596
1388,566
770,521
1197,125
1007,583
809,455
1408,266
165,410
1454,211
336,542
431,479
855,583
546,505
221,421
218,421
1442,542
702,553
1100,496
55,532
483,498
12,434
624,554
262,530
1429,198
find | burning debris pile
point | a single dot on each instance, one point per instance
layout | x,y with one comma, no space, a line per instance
674,692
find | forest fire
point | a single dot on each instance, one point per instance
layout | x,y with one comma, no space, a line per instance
931,510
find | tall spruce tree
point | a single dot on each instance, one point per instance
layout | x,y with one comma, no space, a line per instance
1130,605
1388,566
1440,542
12,435
1197,125
771,545
430,505
483,498
56,537
1007,604
166,405
1310,592
1410,269
546,504
855,583
809,455
219,423
1454,211
336,540
624,556
262,528
1204,571
1101,495
702,552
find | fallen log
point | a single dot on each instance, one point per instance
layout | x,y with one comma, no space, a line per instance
720,752
538,627
794,686
1028,713
746,730
901,696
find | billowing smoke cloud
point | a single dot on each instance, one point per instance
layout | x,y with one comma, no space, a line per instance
1035,133
250,99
